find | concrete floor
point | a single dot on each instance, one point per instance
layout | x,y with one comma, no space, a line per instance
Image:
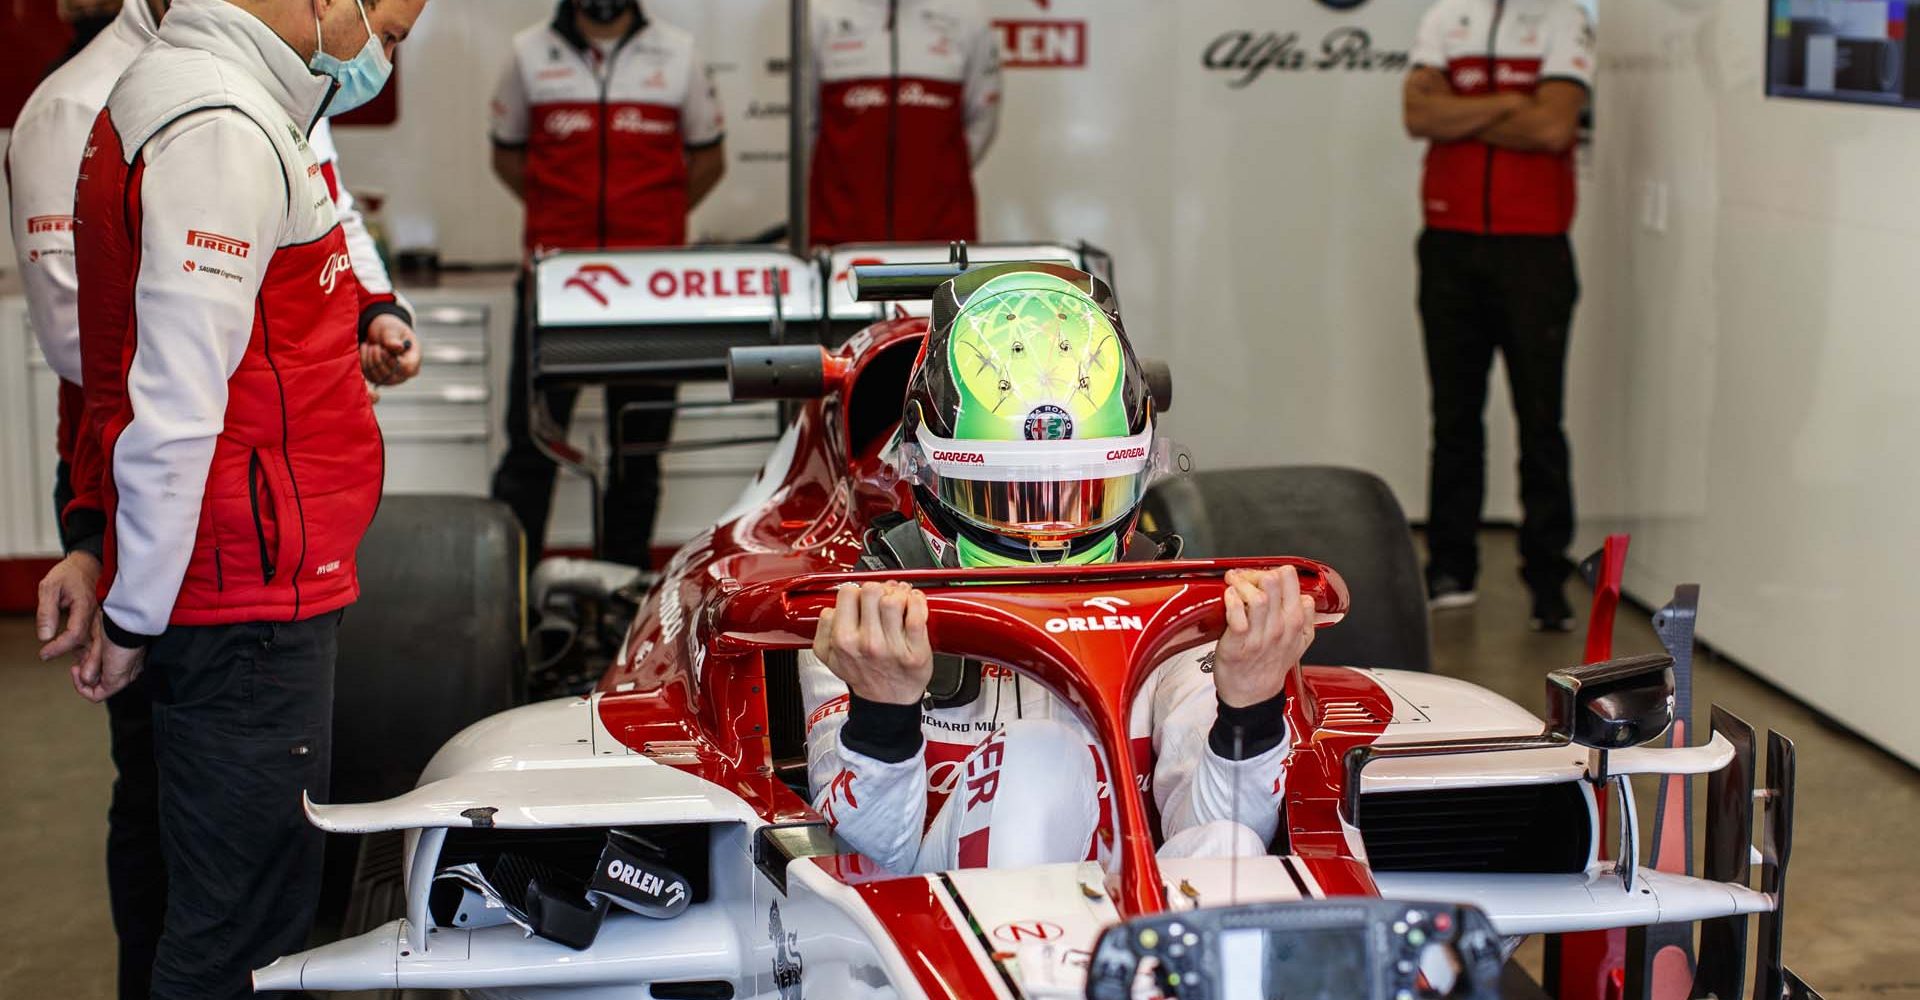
1853,923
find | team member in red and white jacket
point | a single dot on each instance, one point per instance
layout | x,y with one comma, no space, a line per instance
606,125
42,161
1496,88
222,373
907,99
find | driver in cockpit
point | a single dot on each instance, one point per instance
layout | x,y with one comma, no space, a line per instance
1029,439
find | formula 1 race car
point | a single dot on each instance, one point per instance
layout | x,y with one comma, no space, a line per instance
654,837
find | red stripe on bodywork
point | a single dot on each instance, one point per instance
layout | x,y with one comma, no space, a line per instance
1339,876
934,946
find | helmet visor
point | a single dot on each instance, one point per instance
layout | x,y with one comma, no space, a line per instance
1039,489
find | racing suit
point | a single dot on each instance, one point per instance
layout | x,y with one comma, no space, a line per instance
237,463
606,135
877,772
906,100
1497,273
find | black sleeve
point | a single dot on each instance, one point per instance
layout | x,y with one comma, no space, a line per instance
83,529
887,733
1261,727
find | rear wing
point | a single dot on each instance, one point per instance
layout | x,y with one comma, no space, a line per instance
917,269
663,314
672,314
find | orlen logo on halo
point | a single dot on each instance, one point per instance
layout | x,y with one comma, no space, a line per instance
1112,621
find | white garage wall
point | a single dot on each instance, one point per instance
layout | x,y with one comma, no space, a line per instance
1740,395
1766,332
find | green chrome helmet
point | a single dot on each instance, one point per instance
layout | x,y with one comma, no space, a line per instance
1029,427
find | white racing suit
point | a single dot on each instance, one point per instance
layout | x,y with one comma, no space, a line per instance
1010,777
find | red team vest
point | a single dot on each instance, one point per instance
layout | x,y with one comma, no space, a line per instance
1502,46
297,470
606,154
891,158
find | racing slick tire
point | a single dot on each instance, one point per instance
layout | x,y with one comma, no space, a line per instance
432,646
1345,518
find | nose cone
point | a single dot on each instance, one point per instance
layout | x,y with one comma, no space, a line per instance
368,962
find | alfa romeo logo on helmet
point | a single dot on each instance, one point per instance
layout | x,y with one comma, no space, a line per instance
1048,423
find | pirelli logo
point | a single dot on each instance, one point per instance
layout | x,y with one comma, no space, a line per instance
201,240
50,224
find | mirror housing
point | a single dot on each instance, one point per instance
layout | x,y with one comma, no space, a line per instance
1613,705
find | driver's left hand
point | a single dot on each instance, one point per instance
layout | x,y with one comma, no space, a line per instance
1269,627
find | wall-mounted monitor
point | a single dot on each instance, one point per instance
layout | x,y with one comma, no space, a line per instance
1859,51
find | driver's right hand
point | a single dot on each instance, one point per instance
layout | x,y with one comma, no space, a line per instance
875,639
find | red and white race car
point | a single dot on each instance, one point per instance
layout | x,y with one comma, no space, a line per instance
654,837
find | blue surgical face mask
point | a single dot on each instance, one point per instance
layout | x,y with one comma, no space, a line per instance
361,78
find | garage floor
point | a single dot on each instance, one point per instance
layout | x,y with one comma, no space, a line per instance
1852,930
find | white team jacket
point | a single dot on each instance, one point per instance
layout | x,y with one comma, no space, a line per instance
43,159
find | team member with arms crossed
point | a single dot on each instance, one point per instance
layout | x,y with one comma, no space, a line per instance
1496,88
238,462
606,126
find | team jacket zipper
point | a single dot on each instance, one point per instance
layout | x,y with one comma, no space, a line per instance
286,435
255,471
1493,87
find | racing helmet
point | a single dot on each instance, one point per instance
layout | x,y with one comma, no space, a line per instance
1029,433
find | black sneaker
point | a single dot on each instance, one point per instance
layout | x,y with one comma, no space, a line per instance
1551,613
1445,592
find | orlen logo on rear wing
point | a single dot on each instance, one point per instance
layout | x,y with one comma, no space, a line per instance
678,286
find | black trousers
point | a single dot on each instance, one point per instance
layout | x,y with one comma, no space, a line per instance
1512,294
136,868
136,863
242,725
524,479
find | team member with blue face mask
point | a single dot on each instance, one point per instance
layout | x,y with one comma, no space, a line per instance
362,77
232,446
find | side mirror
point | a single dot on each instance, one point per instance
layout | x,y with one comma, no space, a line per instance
1159,383
1612,705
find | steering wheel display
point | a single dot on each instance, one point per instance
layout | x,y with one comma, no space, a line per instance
1352,949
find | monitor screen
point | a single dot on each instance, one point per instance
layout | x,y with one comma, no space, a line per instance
1842,50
